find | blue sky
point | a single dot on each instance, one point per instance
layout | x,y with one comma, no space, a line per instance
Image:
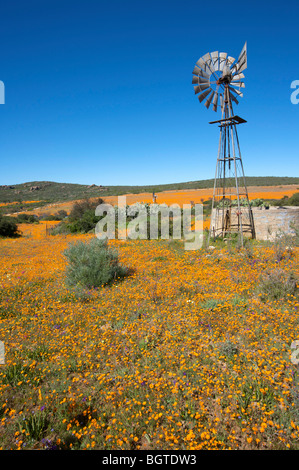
100,92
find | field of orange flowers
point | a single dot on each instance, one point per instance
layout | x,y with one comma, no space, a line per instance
181,354
180,197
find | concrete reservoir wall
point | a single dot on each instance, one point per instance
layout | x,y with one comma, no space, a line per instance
269,222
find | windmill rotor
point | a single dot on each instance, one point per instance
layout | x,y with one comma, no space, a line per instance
216,71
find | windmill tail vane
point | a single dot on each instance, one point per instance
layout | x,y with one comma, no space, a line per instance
218,81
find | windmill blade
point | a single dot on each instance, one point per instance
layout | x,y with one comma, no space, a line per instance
204,74
238,92
242,60
233,98
211,65
198,80
203,80
243,54
208,63
226,68
238,84
221,102
230,60
201,73
215,101
209,68
238,76
223,55
196,70
206,57
222,60
215,57
204,95
205,64
201,87
201,63
209,100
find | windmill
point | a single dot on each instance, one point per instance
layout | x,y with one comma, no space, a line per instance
217,80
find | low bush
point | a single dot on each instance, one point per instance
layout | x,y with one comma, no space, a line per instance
34,425
27,219
81,207
293,239
228,349
294,200
82,218
8,227
59,215
288,201
86,223
277,284
92,264
62,228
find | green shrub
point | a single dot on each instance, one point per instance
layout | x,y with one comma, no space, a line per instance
8,227
288,201
285,242
277,284
228,349
211,304
15,373
49,217
92,264
62,228
294,200
85,223
34,425
254,392
60,215
295,237
257,202
80,207
27,219
82,218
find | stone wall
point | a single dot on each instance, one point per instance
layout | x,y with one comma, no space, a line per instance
268,222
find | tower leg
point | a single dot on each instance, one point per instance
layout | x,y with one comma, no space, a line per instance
231,211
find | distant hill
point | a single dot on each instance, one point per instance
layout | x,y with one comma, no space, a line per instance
47,192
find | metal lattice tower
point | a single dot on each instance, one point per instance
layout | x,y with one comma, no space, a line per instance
218,80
